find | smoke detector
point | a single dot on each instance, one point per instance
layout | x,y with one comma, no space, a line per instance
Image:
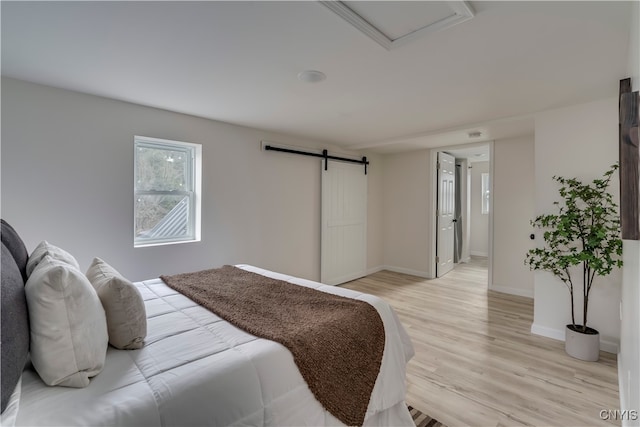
311,76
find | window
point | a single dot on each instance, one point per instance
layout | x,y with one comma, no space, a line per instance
167,182
486,193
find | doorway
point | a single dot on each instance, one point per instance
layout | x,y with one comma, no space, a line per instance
472,220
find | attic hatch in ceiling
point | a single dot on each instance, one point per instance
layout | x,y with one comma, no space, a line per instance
391,23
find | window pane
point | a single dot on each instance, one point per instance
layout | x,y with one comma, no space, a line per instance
162,216
162,169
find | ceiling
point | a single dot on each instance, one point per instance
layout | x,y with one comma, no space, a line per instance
237,62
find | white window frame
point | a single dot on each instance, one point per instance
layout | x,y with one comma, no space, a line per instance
486,193
194,180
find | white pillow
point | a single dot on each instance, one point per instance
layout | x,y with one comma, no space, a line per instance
68,326
46,248
123,305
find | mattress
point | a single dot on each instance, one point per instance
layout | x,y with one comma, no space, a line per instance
197,369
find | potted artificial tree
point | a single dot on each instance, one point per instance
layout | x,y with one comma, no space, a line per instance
586,232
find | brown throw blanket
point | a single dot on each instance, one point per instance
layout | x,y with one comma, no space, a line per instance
336,342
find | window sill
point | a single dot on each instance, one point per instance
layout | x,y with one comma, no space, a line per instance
175,242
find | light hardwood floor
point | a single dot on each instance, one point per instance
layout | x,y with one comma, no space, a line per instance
477,363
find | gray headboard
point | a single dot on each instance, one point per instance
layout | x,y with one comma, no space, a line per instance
14,329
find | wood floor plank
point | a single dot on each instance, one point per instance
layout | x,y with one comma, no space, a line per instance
477,363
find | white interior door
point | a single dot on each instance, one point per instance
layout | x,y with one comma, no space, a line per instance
344,223
445,213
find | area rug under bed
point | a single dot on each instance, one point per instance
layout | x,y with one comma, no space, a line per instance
423,420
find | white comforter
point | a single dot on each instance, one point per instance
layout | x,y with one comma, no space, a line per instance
197,369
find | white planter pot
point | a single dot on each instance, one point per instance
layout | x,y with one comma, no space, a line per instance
583,346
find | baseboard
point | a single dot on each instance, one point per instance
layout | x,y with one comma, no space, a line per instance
406,271
344,279
547,332
513,291
556,334
482,254
374,270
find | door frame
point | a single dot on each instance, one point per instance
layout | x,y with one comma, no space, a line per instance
433,204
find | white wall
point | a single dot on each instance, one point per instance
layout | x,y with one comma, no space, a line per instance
577,141
406,213
479,244
67,176
375,206
513,207
629,356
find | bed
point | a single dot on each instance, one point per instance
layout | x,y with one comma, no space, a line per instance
197,369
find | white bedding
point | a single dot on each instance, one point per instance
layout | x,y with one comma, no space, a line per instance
196,369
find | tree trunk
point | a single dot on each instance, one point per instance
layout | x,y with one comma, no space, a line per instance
585,302
573,312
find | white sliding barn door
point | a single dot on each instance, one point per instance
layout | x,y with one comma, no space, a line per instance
344,223
445,213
